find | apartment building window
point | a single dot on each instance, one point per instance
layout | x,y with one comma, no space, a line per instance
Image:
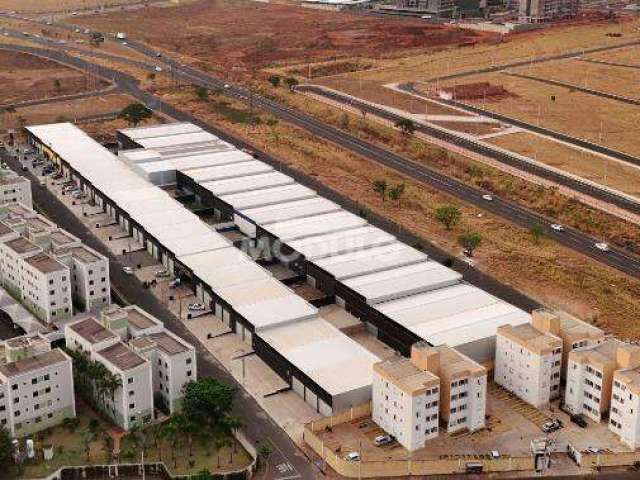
188,361
47,377
131,393
130,380
132,405
188,374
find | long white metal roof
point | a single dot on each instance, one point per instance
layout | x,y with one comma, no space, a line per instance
313,226
246,184
254,292
175,140
164,130
191,244
321,246
403,281
242,169
268,196
370,260
453,315
191,162
277,311
290,210
323,353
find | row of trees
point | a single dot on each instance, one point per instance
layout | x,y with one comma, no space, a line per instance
276,80
92,380
384,190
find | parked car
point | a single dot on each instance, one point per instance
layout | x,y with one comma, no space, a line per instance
69,189
352,457
196,306
579,420
594,450
495,454
382,440
551,425
175,283
162,273
127,270
77,194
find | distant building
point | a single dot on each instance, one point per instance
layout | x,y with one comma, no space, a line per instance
14,188
528,362
590,376
437,385
406,401
36,385
434,7
538,11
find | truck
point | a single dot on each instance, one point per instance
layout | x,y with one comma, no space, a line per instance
121,36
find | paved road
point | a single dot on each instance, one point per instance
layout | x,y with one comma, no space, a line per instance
578,142
258,426
611,64
571,86
588,188
571,238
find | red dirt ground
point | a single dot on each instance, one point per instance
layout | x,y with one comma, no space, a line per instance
248,35
480,90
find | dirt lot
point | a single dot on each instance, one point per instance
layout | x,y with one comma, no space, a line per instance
24,77
619,80
628,56
65,111
244,35
58,5
592,167
597,119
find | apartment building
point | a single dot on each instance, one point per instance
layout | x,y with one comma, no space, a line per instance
131,403
463,385
38,281
129,322
538,11
575,333
624,417
91,288
528,362
406,401
14,188
174,365
36,385
48,269
590,377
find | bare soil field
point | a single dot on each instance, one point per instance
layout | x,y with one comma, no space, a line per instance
33,6
484,91
627,56
25,77
606,78
244,35
598,169
597,119
556,276
64,111
472,128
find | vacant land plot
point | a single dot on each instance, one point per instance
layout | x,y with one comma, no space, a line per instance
606,78
25,77
247,35
59,5
596,119
65,111
606,172
627,56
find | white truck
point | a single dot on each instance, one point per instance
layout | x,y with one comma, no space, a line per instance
121,36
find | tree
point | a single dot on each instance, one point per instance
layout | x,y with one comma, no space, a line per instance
57,85
380,187
291,82
7,450
202,93
135,113
449,216
537,232
395,193
470,241
264,450
406,126
274,80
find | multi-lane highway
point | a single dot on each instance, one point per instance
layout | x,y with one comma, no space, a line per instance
570,238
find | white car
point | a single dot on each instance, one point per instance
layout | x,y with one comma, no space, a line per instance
196,306
352,457
127,270
602,246
557,227
226,85
594,450
382,440
162,273
487,197
158,69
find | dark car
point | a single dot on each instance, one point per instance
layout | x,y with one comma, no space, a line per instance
579,420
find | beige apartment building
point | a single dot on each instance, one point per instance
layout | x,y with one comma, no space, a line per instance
36,385
624,415
590,376
406,401
528,361
450,381
14,188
